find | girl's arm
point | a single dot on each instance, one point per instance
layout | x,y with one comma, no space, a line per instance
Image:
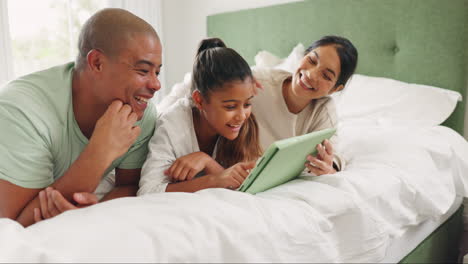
188,166
213,167
204,182
162,156
230,178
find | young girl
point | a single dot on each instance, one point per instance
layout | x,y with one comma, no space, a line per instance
292,104
211,131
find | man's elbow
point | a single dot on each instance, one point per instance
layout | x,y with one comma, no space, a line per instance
12,214
5,213
15,200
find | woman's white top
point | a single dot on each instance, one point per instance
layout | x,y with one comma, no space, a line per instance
174,137
273,116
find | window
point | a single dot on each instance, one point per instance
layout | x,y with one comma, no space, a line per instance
45,33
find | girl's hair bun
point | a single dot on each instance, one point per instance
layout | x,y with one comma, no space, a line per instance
210,43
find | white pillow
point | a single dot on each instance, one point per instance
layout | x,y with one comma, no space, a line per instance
378,101
179,90
388,102
265,59
290,63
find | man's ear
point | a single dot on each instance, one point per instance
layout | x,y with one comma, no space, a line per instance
197,99
94,59
336,89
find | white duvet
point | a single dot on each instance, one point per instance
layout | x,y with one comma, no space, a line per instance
395,178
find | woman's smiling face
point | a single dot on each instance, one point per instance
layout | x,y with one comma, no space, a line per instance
317,74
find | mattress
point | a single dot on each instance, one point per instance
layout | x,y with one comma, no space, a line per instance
401,246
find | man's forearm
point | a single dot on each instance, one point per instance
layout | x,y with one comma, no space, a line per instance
26,217
83,175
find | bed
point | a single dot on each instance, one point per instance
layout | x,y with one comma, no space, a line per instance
387,206
403,40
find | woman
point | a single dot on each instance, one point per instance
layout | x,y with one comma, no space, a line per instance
211,131
292,104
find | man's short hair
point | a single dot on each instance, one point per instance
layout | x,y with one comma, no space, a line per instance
109,30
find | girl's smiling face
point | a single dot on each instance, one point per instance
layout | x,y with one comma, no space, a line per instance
317,74
226,109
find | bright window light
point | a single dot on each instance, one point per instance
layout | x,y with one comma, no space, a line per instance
45,33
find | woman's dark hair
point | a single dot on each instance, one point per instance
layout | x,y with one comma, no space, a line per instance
346,51
214,66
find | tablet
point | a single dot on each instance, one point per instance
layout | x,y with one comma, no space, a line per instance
283,161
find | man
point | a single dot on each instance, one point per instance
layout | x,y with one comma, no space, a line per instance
66,127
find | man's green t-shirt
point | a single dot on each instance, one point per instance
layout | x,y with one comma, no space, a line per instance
39,136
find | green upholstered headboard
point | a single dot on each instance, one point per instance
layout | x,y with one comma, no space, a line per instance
417,41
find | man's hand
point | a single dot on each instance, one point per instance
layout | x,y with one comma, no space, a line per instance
53,203
115,132
323,163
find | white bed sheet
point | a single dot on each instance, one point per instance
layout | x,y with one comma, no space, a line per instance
401,246
396,178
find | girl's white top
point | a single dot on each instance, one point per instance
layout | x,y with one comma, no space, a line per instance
174,137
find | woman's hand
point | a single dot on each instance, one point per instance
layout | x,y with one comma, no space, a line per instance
234,176
186,167
323,163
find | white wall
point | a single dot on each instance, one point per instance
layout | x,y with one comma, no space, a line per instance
6,67
184,26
